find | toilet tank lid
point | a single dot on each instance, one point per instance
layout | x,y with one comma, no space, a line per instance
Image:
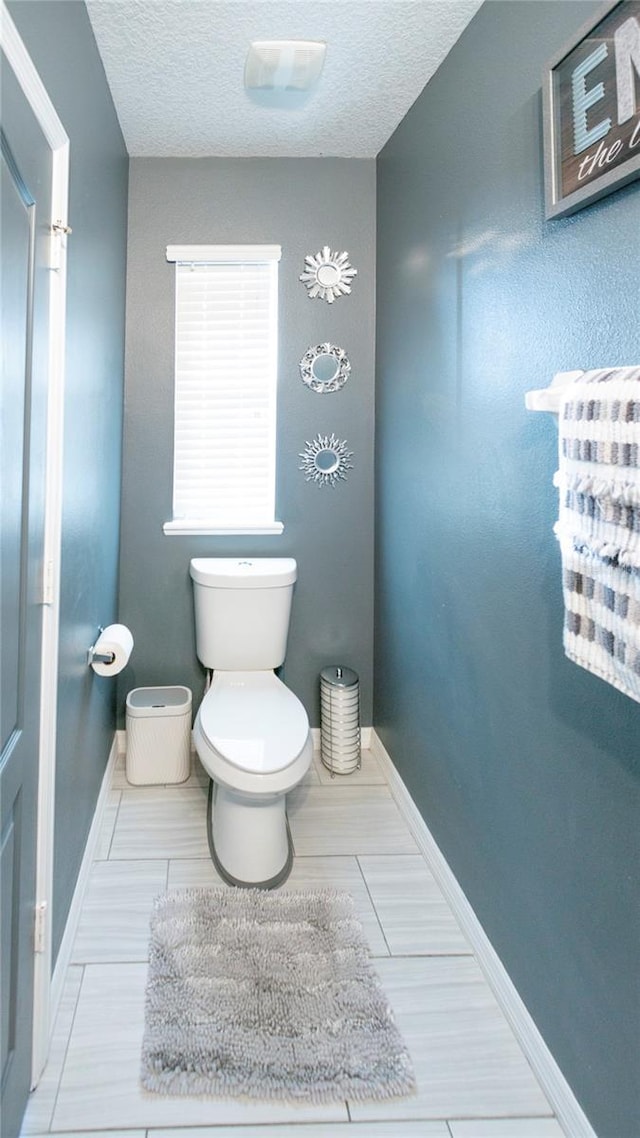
243,572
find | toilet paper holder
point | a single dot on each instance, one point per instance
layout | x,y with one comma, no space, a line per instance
99,657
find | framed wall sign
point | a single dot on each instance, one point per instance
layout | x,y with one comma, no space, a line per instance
591,106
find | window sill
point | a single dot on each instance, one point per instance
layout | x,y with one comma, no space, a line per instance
184,528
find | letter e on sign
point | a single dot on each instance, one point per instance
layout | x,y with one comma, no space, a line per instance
591,100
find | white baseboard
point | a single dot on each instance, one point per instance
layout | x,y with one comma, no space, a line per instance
569,1113
73,917
366,735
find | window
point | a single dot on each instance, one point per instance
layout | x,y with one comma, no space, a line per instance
226,347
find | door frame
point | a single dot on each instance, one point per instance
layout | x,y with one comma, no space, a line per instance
57,138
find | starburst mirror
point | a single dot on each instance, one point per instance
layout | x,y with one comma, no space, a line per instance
328,275
325,460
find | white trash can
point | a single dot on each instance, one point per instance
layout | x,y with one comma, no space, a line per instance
158,735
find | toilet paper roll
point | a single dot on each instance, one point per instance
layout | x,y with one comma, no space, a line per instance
115,638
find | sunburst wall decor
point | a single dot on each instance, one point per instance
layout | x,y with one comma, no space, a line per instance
325,368
328,275
325,460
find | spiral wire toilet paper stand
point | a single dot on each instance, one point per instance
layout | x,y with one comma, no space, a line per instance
340,720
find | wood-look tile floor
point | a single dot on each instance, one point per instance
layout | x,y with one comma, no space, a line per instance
473,1080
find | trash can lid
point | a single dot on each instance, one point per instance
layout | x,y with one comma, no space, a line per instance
159,701
339,677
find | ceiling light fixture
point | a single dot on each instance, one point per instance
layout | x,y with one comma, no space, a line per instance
283,65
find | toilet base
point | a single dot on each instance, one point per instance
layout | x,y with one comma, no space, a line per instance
249,839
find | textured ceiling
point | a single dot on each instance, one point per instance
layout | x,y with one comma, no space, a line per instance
176,67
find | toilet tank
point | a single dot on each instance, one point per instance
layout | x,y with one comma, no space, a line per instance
242,608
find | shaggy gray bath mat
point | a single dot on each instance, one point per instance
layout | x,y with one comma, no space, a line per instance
267,996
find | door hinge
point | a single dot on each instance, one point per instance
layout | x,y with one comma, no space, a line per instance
40,927
57,242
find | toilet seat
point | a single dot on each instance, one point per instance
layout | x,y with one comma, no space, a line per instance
253,722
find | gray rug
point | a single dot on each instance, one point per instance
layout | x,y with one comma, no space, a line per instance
267,996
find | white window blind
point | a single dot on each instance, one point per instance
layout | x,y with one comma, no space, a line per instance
226,340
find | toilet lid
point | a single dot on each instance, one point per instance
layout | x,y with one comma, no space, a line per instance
254,721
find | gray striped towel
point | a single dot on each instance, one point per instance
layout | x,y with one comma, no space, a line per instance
599,523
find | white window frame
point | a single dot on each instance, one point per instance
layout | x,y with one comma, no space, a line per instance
265,523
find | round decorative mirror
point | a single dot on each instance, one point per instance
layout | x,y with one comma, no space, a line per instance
328,275
325,368
325,460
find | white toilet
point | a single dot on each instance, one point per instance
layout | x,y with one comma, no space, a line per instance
251,733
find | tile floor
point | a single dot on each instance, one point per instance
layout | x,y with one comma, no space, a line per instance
473,1080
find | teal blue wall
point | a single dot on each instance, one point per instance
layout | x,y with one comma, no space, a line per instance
525,767
301,204
60,41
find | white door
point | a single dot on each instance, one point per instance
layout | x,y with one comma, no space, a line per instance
29,307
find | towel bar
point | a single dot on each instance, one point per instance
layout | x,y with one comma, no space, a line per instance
548,398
